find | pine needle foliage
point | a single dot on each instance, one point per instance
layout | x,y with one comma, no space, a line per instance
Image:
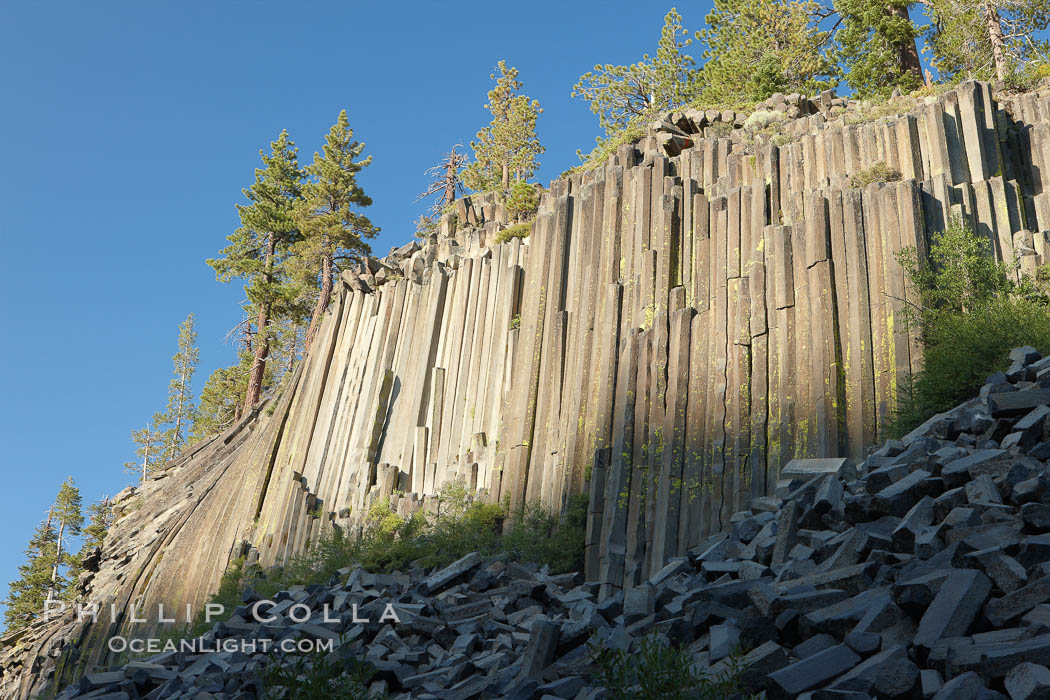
876,46
986,39
971,311
509,145
620,95
755,48
333,230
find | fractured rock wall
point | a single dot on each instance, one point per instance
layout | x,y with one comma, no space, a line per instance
682,322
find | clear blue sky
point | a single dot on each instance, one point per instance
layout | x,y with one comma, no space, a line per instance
132,128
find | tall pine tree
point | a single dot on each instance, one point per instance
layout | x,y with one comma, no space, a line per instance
620,95
509,144
222,398
180,410
26,595
756,48
986,39
876,45
68,520
259,250
100,519
333,231
148,450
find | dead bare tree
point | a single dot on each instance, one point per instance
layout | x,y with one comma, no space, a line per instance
446,179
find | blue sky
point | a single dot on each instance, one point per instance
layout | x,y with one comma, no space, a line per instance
132,128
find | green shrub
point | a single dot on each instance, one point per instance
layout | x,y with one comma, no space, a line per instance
878,172
719,130
660,670
969,315
536,535
1027,77
764,119
962,349
318,676
426,226
522,200
390,542
523,230
515,322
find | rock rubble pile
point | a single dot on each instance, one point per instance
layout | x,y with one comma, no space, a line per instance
921,572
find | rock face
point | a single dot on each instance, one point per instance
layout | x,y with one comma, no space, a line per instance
675,331
960,609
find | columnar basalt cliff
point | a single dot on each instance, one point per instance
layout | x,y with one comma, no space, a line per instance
683,320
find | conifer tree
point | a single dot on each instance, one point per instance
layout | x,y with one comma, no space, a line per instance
148,441
100,518
178,415
222,398
68,519
26,595
622,94
756,48
509,144
333,232
876,45
259,249
985,39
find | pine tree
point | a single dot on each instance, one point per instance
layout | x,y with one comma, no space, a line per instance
288,344
756,48
69,520
26,595
620,95
100,518
876,41
332,231
180,410
222,398
509,144
260,248
985,39
149,441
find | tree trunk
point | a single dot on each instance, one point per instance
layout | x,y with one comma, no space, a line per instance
323,298
145,453
909,53
177,434
506,176
995,36
58,561
262,348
